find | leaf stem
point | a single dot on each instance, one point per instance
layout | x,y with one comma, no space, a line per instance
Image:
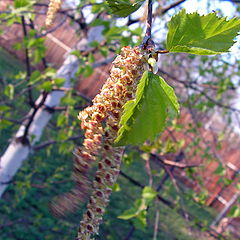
162,51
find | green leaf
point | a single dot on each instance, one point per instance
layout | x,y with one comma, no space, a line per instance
220,170
88,70
21,3
144,117
35,77
59,82
139,206
148,194
61,120
116,188
4,108
9,91
91,58
204,35
123,8
140,221
235,212
47,86
5,123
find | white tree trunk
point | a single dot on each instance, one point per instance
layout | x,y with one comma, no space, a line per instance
17,152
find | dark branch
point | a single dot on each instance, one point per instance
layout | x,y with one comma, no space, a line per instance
24,139
28,66
167,8
172,163
148,43
133,181
50,142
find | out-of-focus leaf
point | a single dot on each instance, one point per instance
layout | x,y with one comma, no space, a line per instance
123,8
9,91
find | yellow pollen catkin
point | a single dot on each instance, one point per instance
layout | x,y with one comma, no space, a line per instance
100,123
119,88
53,7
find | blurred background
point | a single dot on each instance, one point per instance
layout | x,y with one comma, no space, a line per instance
48,75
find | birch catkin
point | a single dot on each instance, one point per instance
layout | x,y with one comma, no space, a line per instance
53,7
101,123
107,107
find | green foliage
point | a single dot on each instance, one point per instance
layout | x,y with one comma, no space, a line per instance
145,116
220,170
21,3
234,212
9,66
204,35
139,210
123,8
9,91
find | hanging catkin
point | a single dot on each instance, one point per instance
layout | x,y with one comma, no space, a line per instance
107,106
101,123
53,7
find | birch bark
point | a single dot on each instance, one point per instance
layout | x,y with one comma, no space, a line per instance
17,152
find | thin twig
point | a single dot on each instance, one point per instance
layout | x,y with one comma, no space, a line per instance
53,29
171,205
173,163
161,11
28,66
156,225
130,233
24,139
50,142
147,42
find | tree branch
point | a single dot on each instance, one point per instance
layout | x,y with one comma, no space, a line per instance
173,163
161,11
28,66
147,43
50,142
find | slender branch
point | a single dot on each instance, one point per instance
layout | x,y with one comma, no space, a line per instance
64,108
24,139
156,225
133,181
11,120
190,85
162,51
10,223
28,66
147,43
171,205
130,179
178,158
173,163
130,233
53,29
50,142
149,20
163,10
32,26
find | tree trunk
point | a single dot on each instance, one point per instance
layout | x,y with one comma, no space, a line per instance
17,151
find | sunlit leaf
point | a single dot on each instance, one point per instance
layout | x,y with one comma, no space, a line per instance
145,116
204,35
